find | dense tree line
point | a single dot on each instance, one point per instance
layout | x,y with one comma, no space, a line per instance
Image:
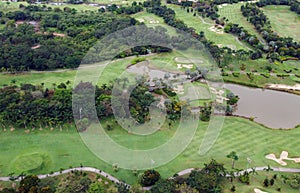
134,8
35,106
276,45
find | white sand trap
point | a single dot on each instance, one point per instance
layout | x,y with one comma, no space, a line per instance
273,157
216,30
283,156
189,66
140,20
256,190
282,86
153,21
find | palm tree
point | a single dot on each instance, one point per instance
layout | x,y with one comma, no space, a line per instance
234,157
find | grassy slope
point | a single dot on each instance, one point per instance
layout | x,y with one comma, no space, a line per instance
149,18
195,22
284,21
66,149
233,13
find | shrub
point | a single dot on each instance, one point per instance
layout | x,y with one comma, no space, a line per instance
266,182
149,177
236,74
266,75
232,189
245,178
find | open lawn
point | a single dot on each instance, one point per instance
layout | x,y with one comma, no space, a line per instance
61,149
220,38
152,20
284,21
233,13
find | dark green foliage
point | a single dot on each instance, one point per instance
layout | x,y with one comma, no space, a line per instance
232,189
205,112
164,186
21,48
245,178
149,177
29,183
8,190
122,188
207,179
266,182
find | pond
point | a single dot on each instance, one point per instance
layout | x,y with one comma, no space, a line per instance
274,109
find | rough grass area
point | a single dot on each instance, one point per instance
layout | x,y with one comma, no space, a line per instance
284,21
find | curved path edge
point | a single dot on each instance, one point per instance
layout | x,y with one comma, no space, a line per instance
181,173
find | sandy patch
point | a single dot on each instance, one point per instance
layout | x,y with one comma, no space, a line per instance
27,131
41,129
283,156
282,86
12,129
140,20
153,21
59,35
4,130
189,66
36,47
256,190
216,30
179,89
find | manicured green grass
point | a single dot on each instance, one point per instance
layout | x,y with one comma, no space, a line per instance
152,20
111,72
259,80
65,148
195,22
284,21
233,13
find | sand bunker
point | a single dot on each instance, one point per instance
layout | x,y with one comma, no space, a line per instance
256,190
216,30
282,86
140,20
189,66
153,21
283,156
